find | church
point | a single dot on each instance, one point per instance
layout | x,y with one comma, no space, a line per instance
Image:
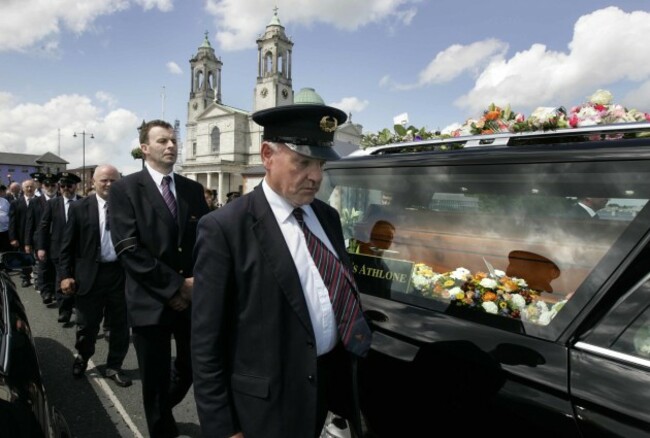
223,143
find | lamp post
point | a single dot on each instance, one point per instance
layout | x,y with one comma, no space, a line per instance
83,135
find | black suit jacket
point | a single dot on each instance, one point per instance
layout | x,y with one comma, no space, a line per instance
50,229
155,249
81,244
18,217
253,345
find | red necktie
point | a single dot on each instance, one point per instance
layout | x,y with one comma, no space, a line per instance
352,326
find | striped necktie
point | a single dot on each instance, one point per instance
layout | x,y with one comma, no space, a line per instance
353,329
168,195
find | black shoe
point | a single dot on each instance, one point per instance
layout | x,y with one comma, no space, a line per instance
118,377
48,299
64,316
26,283
79,366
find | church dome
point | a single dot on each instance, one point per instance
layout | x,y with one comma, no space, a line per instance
309,96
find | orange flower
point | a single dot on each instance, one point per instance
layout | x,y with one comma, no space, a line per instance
489,296
493,115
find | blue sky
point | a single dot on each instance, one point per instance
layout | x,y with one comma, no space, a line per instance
101,65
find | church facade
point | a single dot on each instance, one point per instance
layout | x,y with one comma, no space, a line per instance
222,143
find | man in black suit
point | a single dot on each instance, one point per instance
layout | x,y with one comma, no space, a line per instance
89,269
153,226
18,220
13,192
271,351
48,239
45,270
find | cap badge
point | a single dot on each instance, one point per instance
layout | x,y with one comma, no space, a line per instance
328,124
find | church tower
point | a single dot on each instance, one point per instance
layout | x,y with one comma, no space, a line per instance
274,52
206,80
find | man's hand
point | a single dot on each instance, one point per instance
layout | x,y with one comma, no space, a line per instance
178,303
42,255
68,286
14,243
186,289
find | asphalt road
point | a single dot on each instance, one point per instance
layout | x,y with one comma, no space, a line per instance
95,407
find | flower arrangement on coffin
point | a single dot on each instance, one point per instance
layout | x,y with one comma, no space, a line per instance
503,295
598,110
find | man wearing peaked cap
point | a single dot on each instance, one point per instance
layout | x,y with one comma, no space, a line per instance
68,177
305,128
44,268
38,179
291,301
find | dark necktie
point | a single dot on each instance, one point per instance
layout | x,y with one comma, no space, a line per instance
168,195
107,226
354,331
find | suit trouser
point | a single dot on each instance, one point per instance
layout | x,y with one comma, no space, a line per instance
107,292
46,277
153,349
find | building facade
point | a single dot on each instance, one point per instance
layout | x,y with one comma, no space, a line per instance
222,142
18,167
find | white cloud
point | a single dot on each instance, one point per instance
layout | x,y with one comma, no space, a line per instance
163,5
24,23
458,59
350,105
239,21
106,98
606,48
173,68
40,128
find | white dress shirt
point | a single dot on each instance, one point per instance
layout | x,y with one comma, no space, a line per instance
316,294
107,250
158,179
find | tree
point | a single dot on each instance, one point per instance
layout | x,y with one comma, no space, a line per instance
136,153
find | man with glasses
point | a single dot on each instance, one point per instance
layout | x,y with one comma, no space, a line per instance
45,273
57,217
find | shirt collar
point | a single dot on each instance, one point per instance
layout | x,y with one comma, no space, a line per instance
157,176
282,209
100,201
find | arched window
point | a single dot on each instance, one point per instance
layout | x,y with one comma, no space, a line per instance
194,149
199,80
215,138
281,64
268,64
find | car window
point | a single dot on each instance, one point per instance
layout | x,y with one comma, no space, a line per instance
508,241
635,340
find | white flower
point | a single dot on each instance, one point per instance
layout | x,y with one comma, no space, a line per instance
488,283
601,97
490,307
518,302
454,291
520,282
460,274
499,273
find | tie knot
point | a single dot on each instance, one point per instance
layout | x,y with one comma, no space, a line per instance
167,180
298,214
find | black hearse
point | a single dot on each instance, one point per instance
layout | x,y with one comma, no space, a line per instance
507,281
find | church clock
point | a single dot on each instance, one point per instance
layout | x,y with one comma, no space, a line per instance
285,93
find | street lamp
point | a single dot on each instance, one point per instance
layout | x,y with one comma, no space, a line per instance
83,135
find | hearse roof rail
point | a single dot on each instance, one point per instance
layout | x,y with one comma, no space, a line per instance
597,132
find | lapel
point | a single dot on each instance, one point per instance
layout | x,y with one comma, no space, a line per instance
93,219
182,207
275,251
151,194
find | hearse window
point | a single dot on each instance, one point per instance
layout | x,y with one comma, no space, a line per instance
503,241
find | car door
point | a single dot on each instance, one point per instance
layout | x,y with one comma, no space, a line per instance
610,364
